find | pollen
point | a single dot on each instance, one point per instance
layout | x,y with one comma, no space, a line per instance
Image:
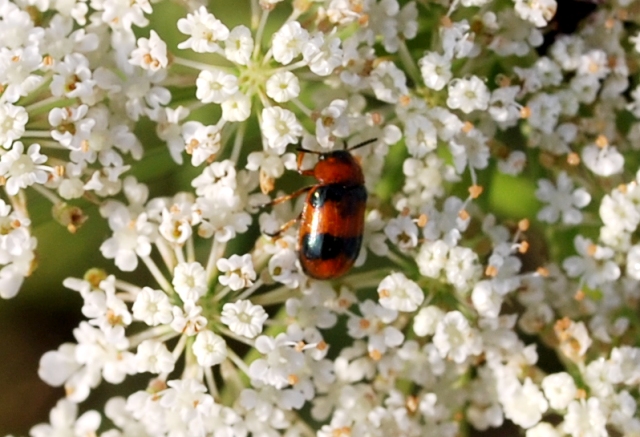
293,379
475,191
579,296
376,118
543,271
384,293
364,324
423,219
525,112
375,355
524,247
463,214
523,225
573,159
412,404
491,271
345,431
602,141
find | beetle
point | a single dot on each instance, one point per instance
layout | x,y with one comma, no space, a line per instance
332,219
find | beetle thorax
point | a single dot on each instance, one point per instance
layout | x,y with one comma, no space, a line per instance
339,167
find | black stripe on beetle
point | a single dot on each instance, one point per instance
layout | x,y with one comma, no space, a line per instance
348,197
327,246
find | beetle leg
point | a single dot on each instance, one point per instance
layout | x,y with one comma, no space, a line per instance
284,227
289,196
301,153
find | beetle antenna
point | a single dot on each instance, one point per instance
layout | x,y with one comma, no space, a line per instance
365,143
345,146
302,149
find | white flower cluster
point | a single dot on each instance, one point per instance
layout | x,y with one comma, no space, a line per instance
489,118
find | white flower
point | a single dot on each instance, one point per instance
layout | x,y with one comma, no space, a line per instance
151,53
397,292
455,339
190,281
14,119
594,264
236,107
333,121
427,320
514,164
542,429
563,200
486,300
280,362
202,142
462,268
603,161
574,339
585,419
215,86
618,211
175,224
239,272
283,86
107,311
153,356
421,136
432,258
204,31
188,320
402,232
131,236
594,63
503,106
280,127
188,399
388,82
152,307
633,262
538,12
283,268
244,318
288,42
544,112
523,404
468,94
16,68
73,78
322,53
470,150
210,349
436,70
566,51
239,45
21,170
560,389
64,421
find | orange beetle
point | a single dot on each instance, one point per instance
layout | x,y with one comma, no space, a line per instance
332,220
